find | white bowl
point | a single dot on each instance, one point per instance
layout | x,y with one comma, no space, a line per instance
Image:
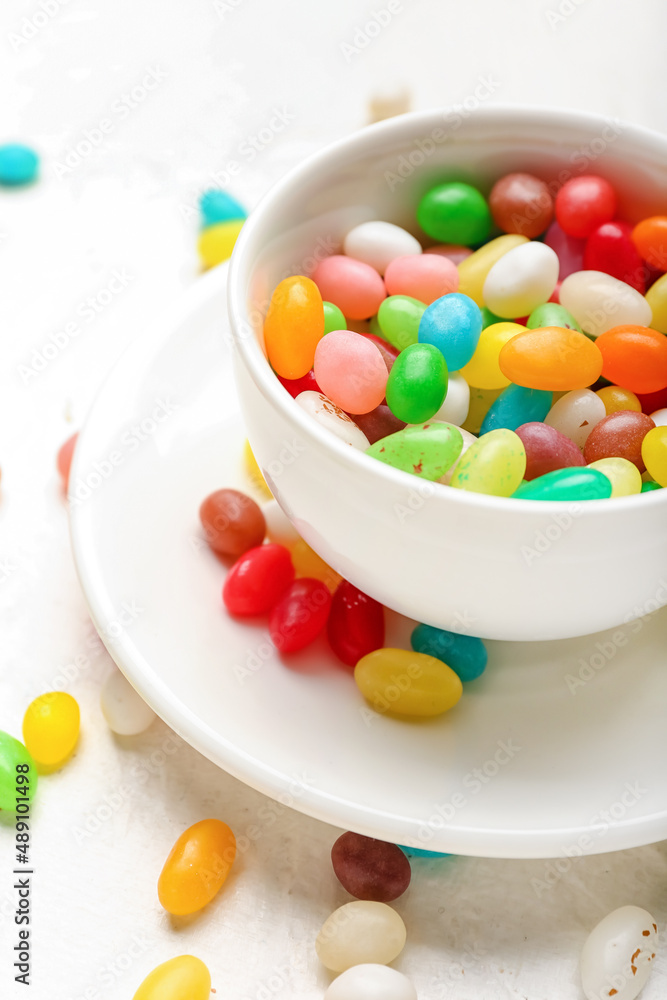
495,567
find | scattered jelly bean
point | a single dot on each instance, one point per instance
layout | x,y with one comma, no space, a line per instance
351,371
197,867
516,405
417,384
307,563
51,729
634,357
330,416
18,164
17,769
455,408
584,203
333,318
295,386
650,238
576,414
465,654
426,450
455,213
609,248
483,369
619,435
356,624
599,302
452,251
551,358
567,484
453,324
425,277
359,933
521,203
547,450
494,464
468,441
388,351
521,280
399,317
656,299
356,288
624,477
232,522
649,486
618,955
371,982
215,205
253,471
379,243
293,327
258,580
64,459
125,711
654,454
474,268
300,615
380,423
569,249
552,314
404,682
615,398
370,869
181,978
216,243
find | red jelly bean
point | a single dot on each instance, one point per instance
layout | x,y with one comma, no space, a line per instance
300,615
379,423
388,351
619,435
356,624
370,869
547,449
258,580
232,522
609,248
634,357
568,249
652,401
307,383
584,203
64,459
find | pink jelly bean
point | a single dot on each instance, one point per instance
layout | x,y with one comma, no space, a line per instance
350,371
426,277
356,288
569,249
454,251
547,449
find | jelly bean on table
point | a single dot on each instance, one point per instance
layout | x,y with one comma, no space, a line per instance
197,867
625,941
51,729
359,933
216,242
125,711
216,205
179,978
18,773
19,164
370,869
371,982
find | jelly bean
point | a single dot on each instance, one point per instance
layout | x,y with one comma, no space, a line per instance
567,484
619,435
454,213
300,615
650,486
551,358
253,471
615,398
417,852
654,454
425,277
483,369
356,288
452,251
624,477
547,450
455,408
404,682
521,203
494,464
489,318
64,459
480,401
371,982
179,978
17,769
293,327
359,933
388,351
370,869
351,371
426,450
51,729
333,318
356,624
516,405
328,415
232,522
634,357
417,384
465,654
576,414
468,440
258,580
599,302
569,249
216,243
307,563
279,528
215,205
552,314
399,317
650,238
197,867
125,712
656,299
618,954
521,280
453,324
474,269
659,417
555,296
295,386
652,400
584,203
379,243
380,423
609,248
18,164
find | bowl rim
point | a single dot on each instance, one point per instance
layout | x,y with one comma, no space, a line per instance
248,349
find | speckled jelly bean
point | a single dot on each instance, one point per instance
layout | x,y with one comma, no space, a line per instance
521,280
333,318
426,450
619,954
584,203
547,449
370,869
521,203
216,205
51,729
399,317
295,386
656,299
331,417
516,405
654,454
455,408
425,277
356,288
634,357
307,563
300,615
258,580
453,324
599,302
179,978
495,464
417,384
358,933
615,398
619,435
474,268
552,314
371,982
379,423
465,654
197,867
551,358
356,624
19,164
468,441
351,371
569,249
650,238
232,522
483,369
455,213
576,414
403,682
124,710
379,243
388,351
293,327
216,243
609,248
567,484
624,477
64,459
18,773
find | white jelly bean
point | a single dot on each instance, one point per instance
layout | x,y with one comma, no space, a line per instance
371,982
468,439
618,956
575,414
328,415
599,302
358,933
125,711
279,528
659,418
378,243
455,408
521,280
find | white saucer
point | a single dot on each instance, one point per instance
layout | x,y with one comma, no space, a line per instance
558,749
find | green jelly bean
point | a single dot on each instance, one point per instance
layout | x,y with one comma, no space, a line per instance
650,486
417,383
495,464
455,213
489,318
427,450
399,317
552,314
14,755
333,318
374,327
567,484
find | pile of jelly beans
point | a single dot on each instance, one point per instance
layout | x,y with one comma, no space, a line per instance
523,355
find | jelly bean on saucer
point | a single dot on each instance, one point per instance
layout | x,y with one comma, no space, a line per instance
425,277
300,615
295,386
371,982
418,852
307,563
404,682
388,351
356,624
179,978
619,435
480,401
399,317
293,327
455,213
650,238
328,415
552,314
656,298
599,302
521,280
18,164
417,384
567,484
584,203
426,450
615,398
359,933
232,522
333,318
216,243
494,464
455,408
609,248
619,954
551,358
453,324
465,654
624,477
51,729
634,357
18,773
521,203
351,371
516,405
258,580
215,205
64,459
379,243
452,251
569,249
547,450
370,869
356,288
279,528
380,423
474,269
576,414
125,711
654,454
197,867
483,369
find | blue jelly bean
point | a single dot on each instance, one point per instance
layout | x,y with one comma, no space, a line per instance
516,405
453,324
216,206
418,852
18,164
465,654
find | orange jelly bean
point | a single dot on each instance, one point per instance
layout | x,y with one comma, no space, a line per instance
294,326
650,238
552,358
197,867
634,357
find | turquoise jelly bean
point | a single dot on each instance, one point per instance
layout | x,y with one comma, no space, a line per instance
465,654
566,484
13,753
333,318
18,164
453,324
216,205
552,314
517,405
419,852
417,383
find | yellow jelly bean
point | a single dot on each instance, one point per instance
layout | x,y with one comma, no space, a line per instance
615,398
403,682
494,464
294,326
306,562
474,269
217,242
624,476
654,454
51,729
254,472
657,299
483,370
182,978
480,402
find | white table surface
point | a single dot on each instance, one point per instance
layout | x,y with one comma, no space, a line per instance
103,826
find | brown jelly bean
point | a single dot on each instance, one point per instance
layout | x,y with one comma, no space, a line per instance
619,435
370,869
378,423
547,449
232,522
521,203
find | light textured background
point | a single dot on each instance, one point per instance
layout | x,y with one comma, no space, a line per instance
103,826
